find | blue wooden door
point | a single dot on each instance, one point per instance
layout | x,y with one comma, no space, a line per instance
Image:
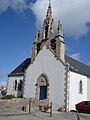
43,92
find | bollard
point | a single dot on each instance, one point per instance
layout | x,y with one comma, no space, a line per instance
29,106
51,110
78,117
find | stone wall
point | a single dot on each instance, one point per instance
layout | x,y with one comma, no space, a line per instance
27,105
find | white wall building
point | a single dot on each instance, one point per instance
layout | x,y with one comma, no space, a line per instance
49,73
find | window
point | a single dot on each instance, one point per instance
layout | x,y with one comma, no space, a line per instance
46,31
38,47
85,103
15,84
53,45
20,85
80,87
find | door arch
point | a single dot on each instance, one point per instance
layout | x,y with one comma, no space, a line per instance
42,87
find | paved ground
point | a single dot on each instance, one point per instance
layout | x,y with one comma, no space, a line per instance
45,116
15,113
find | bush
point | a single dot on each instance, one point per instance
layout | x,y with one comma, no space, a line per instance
8,97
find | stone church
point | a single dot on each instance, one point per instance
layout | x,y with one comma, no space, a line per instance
49,73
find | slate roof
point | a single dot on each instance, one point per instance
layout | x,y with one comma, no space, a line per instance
77,66
21,68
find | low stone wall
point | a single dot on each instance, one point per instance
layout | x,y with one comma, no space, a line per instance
13,101
27,105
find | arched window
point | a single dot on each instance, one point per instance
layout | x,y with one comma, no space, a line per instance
20,85
15,84
80,87
53,45
38,47
46,31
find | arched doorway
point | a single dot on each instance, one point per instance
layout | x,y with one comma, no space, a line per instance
42,87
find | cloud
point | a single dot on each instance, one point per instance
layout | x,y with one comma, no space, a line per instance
76,56
3,83
66,48
3,80
27,54
2,73
16,5
74,15
88,63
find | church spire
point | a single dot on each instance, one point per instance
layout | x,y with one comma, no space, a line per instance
49,10
48,24
60,30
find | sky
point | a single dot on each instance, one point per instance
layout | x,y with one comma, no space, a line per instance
19,20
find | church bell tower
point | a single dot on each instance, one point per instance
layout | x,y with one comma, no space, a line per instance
55,42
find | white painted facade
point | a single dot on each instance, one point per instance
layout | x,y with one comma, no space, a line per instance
88,88
11,86
46,63
75,96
